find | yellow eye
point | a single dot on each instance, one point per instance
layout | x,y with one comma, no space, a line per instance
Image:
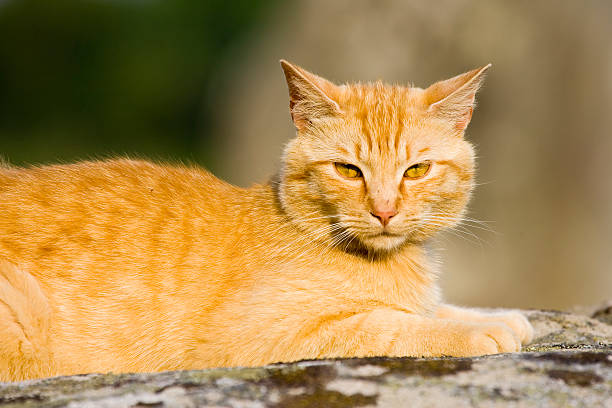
417,170
348,170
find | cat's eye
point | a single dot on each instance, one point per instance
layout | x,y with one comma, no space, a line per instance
417,170
348,170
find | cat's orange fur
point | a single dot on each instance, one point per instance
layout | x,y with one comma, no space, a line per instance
125,265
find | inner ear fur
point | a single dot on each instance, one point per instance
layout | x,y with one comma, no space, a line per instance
310,96
453,99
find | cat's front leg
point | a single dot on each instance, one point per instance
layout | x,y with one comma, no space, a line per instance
515,320
385,332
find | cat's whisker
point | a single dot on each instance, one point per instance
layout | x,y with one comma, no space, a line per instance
465,236
313,237
335,240
309,217
319,231
306,218
466,221
472,221
463,223
321,234
479,227
482,183
464,218
464,231
345,235
459,233
461,236
348,237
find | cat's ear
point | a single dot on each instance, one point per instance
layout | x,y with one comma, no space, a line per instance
310,96
453,99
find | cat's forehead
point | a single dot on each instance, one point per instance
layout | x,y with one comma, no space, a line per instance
389,121
380,99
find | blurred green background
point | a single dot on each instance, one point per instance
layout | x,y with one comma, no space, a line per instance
199,81
86,78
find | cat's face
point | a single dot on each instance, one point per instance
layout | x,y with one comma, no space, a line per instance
375,166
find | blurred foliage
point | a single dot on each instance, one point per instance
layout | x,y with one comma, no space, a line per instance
85,78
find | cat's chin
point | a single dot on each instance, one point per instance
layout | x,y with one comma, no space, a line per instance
383,242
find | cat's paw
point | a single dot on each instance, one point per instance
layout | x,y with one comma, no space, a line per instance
488,338
518,323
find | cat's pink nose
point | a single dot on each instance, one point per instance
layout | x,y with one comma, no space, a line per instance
384,216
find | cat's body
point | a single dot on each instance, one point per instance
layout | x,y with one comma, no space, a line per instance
126,265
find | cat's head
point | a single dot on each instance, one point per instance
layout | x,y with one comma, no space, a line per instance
374,166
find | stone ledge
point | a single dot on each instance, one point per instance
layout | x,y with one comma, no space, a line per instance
568,364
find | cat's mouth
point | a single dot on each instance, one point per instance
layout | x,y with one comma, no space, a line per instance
385,234
383,241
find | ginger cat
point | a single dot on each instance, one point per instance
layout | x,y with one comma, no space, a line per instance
126,265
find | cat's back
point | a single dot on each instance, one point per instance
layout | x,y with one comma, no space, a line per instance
138,179
125,181
109,210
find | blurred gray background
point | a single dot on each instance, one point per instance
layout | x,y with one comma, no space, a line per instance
200,81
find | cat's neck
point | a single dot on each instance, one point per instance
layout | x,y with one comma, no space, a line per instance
399,277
